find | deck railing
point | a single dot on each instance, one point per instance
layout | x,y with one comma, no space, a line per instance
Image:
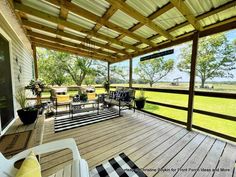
199,111
197,93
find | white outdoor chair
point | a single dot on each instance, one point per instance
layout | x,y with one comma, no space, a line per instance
79,165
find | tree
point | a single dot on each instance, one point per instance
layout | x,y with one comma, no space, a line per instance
216,58
117,73
78,68
51,66
151,71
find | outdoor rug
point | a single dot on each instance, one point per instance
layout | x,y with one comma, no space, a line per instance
14,143
65,122
120,166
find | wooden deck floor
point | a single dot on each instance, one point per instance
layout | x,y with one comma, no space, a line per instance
151,143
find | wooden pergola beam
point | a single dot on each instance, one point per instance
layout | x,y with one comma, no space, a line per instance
138,16
56,20
68,35
183,8
56,46
71,44
100,20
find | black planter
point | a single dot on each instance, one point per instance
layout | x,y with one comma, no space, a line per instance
28,116
140,104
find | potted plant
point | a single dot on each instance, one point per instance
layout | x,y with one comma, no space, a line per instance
106,86
37,87
27,114
83,97
140,100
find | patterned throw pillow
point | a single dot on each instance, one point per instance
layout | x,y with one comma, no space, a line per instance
30,167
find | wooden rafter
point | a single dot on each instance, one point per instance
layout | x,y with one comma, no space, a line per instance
217,10
56,20
138,16
186,12
70,49
71,44
100,20
63,15
67,35
152,16
200,17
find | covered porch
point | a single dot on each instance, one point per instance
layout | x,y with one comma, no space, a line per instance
158,147
114,31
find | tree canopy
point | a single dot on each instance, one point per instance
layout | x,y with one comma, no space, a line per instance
151,71
216,58
51,66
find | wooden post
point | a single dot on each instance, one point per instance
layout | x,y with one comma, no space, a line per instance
130,72
108,72
35,62
192,80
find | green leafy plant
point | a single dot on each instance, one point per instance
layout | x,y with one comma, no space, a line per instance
141,96
36,86
21,97
83,97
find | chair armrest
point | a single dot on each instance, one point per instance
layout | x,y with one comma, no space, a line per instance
51,147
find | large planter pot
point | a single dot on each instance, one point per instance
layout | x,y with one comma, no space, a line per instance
28,116
140,104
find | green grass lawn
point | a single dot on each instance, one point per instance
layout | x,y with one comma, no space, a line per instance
217,105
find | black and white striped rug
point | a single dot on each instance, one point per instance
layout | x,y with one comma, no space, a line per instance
120,166
64,122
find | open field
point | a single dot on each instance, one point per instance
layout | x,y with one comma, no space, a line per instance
217,105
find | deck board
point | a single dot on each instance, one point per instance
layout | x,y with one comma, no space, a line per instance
193,163
150,142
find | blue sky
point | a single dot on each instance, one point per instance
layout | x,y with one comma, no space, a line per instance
231,35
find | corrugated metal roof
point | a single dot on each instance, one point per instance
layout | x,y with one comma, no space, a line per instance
107,50
97,7
128,40
231,12
117,46
77,33
98,40
146,7
123,20
108,32
41,21
43,32
180,31
141,46
70,40
130,50
43,6
169,19
80,21
159,39
145,32
199,7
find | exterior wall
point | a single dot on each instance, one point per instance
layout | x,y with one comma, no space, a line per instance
18,50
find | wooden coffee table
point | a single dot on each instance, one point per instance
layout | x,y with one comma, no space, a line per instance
81,107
